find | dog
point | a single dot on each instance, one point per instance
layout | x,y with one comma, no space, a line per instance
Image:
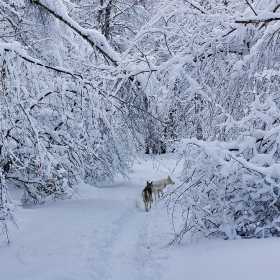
159,185
147,195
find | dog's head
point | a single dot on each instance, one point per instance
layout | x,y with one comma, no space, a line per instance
169,181
149,185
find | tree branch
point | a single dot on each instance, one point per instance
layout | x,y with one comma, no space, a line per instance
251,7
100,43
198,8
267,17
21,53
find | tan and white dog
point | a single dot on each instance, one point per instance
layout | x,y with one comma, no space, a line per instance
159,185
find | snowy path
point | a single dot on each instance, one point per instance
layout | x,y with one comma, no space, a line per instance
125,247
133,255
109,236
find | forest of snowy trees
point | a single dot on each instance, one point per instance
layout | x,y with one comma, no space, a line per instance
86,85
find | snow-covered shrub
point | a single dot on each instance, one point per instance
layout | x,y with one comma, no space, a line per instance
55,131
232,189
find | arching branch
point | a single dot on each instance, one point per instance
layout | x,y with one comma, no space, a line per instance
93,37
15,47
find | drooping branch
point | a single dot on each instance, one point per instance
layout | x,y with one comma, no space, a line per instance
16,48
93,37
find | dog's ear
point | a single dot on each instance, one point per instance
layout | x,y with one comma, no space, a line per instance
147,182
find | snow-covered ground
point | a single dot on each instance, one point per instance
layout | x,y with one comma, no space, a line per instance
108,235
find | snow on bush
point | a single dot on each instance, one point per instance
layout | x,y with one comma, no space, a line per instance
55,131
232,189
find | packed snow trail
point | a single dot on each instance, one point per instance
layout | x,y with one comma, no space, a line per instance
122,247
107,235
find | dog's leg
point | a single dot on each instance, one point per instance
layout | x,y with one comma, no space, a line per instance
159,190
151,196
155,193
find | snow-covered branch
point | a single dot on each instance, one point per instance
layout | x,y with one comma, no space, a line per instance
93,37
16,48
263,17
266,15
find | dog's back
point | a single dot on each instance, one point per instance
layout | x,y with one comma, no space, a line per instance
159,185
146,195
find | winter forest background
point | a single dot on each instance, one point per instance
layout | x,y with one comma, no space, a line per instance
88,85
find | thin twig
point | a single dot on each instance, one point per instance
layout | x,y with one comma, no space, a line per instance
251,7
